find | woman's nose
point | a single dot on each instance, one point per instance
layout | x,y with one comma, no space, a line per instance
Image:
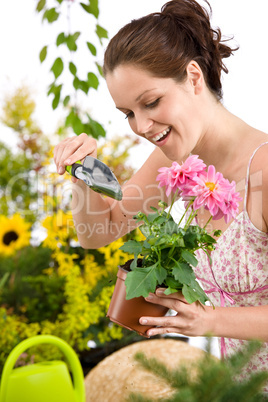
143,124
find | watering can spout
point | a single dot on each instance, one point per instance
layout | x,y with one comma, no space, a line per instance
48,381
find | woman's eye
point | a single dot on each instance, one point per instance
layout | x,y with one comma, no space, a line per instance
128,115
153,104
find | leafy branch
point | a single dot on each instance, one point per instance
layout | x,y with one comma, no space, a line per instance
209,380
62,67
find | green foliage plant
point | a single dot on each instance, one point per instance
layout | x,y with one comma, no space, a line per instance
209,379
65,69
166,256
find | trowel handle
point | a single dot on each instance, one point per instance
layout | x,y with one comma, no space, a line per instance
71,168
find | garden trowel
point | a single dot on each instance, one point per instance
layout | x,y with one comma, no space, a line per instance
97,176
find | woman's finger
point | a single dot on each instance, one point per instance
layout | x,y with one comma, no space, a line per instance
172,303
72,149
163,325
177,295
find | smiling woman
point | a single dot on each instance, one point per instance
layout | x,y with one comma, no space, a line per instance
171,94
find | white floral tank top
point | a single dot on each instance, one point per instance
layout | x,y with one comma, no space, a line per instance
238,275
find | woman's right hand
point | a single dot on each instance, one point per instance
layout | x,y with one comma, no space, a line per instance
72,149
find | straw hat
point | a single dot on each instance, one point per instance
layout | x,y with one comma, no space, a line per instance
115,377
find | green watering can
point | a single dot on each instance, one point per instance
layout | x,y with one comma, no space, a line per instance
48,381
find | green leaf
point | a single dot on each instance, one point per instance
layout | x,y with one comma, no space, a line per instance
145,230
83,85
189,257
92,48
173,283
154,209
101,32
99,67
72,68
170,227
70,118
57,67
92,80
96,128
66,100
183,273
54,89
40,5
152,217
4,279
76,35
76,82
71,41
133,264
160,273
132,247
206,238
142,281
194,292
191,239
190,295
60,39
91,8
56,101
77,125
43,54
51,15
170,290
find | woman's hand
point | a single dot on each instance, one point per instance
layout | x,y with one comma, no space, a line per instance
72,149
191,319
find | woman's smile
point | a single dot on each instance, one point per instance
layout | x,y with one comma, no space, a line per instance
160,138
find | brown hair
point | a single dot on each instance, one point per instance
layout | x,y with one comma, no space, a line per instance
164,43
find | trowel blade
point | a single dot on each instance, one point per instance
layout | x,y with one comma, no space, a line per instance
99,178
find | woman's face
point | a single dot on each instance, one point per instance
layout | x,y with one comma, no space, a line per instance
165,112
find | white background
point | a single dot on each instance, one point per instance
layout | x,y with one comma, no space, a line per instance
22,35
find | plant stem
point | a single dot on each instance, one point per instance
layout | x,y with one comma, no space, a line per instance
190,219
185,212
172,203
207,222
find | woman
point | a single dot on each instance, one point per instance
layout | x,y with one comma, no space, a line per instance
163,72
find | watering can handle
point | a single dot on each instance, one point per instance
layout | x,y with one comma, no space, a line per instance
75,366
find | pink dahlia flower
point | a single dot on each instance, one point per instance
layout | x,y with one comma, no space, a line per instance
178,177
230,207
211,191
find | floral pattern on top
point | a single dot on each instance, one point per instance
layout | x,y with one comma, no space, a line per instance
238,276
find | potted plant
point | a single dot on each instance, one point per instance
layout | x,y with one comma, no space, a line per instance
166,256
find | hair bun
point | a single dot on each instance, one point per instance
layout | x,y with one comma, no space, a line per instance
164,43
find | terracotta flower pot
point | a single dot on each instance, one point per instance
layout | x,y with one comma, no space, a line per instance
127,313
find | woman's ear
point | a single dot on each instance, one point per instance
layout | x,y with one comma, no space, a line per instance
195,76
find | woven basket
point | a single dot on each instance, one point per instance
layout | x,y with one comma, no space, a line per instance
115,377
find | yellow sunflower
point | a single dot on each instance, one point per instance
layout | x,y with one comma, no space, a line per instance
14,234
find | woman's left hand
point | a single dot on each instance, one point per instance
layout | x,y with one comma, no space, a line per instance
190,320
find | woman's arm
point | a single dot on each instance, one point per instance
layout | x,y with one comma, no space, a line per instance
198,320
